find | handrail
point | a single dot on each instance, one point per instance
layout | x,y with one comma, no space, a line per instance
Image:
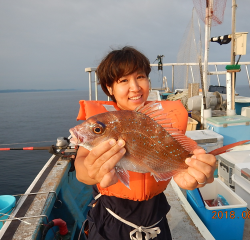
194,64
216,72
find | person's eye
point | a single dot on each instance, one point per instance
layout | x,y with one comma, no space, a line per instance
122,80
141,76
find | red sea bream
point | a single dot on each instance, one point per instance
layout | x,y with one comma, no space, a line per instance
152,144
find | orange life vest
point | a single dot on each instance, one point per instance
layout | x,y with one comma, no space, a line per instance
142,185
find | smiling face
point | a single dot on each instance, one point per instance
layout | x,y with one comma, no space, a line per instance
123,76
131,90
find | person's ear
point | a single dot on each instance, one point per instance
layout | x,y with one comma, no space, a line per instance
110,90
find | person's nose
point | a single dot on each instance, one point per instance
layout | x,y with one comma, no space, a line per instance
134,85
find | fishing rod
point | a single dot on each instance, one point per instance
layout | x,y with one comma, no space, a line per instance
37,148
61,145
51,149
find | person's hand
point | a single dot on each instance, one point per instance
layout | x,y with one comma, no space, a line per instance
200,171
99,163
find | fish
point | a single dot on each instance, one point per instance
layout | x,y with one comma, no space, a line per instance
152,143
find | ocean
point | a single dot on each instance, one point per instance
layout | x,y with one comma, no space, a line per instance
33,119
37,119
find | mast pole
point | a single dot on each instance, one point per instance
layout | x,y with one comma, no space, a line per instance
209,4
233,55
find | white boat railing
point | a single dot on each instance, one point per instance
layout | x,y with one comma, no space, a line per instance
91,70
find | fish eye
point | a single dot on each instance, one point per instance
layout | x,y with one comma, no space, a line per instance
98,128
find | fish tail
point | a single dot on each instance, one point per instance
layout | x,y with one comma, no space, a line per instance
227,148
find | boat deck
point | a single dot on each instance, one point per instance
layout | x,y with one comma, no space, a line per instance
184,222
246,235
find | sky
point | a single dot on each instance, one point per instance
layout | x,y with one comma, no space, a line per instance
47,44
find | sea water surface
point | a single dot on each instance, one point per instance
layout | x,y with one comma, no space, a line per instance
33,119
37,119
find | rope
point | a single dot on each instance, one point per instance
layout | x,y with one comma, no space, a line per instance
180,96
9,215
150,232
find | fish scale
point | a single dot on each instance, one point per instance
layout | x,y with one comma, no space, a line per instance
157,149
159,143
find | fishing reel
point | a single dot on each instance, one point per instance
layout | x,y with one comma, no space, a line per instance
67,152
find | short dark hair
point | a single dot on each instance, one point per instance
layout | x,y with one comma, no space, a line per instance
118,63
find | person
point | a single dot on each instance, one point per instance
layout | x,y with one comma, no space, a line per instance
123,75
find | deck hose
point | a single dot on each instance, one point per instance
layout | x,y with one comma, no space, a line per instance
63,230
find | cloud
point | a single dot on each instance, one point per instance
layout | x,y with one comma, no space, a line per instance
47,44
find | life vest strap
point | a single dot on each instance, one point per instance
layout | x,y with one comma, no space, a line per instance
97,196
151,231
109,108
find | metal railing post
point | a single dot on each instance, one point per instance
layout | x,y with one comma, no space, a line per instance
192,73
217,74
187,73
172,78
90,86
96,89
247,75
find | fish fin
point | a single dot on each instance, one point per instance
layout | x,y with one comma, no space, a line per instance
139,107
154,111
143,165
164,120
187,143
165,176
123,176
227,148
146,108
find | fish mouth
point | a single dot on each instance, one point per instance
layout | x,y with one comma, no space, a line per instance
136,97
75,137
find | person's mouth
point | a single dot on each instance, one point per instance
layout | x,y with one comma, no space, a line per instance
135,98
